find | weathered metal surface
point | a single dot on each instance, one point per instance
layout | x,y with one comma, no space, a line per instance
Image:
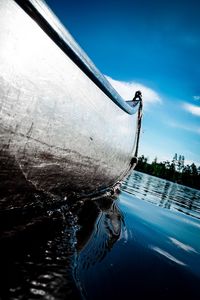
59,131
39,11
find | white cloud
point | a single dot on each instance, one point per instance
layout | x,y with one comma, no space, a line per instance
127,91
186,127
193,109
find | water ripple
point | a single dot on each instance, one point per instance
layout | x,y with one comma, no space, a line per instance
163,193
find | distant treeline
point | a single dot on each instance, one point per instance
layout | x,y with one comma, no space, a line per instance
174,171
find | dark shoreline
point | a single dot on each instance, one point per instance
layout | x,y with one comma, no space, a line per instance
188,175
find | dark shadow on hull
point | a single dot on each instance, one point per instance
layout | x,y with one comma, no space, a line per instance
12,182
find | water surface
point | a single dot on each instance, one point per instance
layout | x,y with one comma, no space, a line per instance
157,253
163,193
144,243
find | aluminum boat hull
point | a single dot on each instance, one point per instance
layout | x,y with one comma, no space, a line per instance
59,131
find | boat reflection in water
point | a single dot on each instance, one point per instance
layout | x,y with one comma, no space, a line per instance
108,248
156,253
99,241
52,251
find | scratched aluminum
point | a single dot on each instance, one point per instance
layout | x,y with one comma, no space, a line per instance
58,131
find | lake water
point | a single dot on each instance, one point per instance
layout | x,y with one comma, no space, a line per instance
143,244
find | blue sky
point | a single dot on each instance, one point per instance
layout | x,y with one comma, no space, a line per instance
153,45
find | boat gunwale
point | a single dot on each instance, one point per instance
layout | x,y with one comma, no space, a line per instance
45,18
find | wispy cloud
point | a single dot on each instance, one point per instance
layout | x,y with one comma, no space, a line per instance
193,109
127,90
186,127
